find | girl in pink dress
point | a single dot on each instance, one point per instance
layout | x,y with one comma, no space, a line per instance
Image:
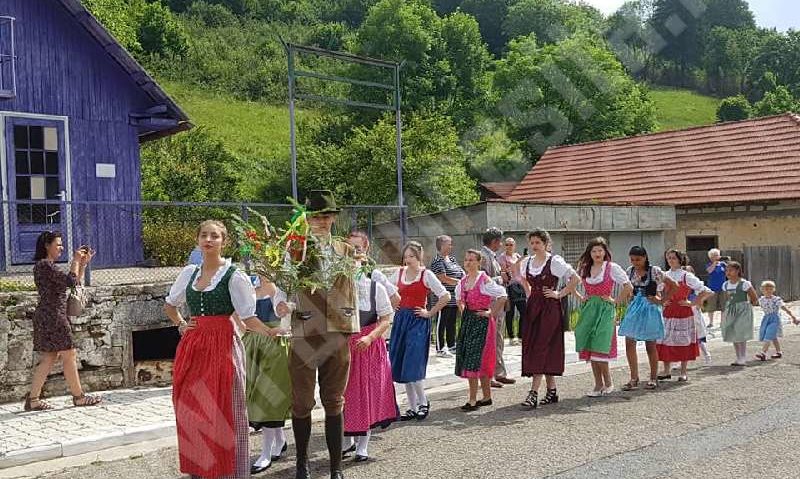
479,299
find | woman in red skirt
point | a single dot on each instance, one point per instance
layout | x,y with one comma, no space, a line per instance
543,334
208,391
369,400
680,335
480,300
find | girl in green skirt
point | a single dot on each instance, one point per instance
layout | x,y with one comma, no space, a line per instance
737,323
268,388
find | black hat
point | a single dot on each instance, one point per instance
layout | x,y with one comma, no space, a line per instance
321,201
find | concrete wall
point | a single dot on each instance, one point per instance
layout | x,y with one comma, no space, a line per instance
623,226
754,225
102,336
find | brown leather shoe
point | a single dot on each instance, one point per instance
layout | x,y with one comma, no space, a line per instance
505,380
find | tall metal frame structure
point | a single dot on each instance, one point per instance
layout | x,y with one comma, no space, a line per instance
292,50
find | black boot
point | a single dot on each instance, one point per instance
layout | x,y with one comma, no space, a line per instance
334,435
302,436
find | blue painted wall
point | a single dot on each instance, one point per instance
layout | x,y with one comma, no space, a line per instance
62,70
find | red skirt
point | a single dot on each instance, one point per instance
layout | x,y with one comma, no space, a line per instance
205,380
369,400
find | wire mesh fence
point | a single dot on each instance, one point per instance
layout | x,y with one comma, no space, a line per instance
148,242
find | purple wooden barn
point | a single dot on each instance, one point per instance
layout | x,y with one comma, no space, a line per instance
74,108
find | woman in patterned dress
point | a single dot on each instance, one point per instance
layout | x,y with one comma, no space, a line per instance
208,391
52,335
480,300
596,335
411,331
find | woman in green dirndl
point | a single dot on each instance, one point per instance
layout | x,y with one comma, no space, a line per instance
268,391
737,323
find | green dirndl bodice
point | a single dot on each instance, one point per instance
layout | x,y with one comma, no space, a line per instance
737,325
216,302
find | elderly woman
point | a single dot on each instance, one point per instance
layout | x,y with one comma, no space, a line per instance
52,336
446,268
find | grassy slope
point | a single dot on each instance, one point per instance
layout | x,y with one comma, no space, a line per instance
677,109
257,132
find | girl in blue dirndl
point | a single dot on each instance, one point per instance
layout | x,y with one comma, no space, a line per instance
643,319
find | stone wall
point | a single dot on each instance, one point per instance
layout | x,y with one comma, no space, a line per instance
102,336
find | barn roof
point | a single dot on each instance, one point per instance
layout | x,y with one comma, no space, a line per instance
498,189
134,70
734,162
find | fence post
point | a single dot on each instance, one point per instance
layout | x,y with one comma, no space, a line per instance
246,257
87,273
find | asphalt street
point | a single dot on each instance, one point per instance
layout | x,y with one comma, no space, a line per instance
725,422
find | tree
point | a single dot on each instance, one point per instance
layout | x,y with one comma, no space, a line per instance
728,53
777,102
491,155
191,166
120,18
571,92
627,34
734,108
445,59
469,61
160,32
677,22
776,60
732,14
547,19
362,169
490,15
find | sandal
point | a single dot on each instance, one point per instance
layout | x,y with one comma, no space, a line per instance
85,400
777,356
631,385
761,356
651,385
40,404
662,377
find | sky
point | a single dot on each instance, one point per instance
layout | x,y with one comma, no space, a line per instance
781,14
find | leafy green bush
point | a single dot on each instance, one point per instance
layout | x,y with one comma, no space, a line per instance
211,14
7,286
161,33
734,108
170,243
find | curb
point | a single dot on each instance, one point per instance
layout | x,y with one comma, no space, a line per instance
87,444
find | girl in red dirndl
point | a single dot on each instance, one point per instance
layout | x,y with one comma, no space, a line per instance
208,391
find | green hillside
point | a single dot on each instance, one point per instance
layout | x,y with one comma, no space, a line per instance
677,109
252,129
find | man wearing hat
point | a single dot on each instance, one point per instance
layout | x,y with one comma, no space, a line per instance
322,323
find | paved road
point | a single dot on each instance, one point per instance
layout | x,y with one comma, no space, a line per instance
724,423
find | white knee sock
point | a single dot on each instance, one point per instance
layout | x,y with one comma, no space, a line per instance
347,443
419,388
361,445
280,440
412,396
267,439
743,349
704,350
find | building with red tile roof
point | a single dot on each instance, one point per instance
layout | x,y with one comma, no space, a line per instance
734,185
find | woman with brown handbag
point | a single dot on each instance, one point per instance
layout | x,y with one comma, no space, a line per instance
52,335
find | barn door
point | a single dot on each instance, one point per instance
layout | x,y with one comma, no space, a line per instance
37,185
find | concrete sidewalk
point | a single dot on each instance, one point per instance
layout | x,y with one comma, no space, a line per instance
133,416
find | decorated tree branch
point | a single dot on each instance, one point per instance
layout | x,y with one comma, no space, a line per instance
291,257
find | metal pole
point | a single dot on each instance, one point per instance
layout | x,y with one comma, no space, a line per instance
292,126
399,152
